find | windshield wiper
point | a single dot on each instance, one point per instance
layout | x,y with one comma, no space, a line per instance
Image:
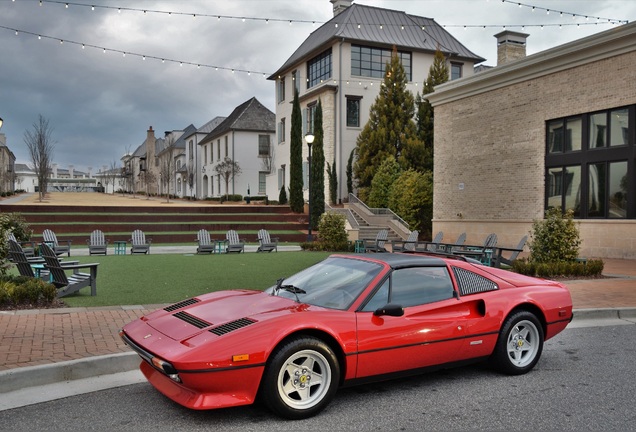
289,288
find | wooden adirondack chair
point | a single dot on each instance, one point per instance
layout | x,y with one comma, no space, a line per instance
139,243
481,253
51,239
97,243
406,245
68,284
205,244
29,250
498,259
233,242
377,244
23,263
267,244
433,245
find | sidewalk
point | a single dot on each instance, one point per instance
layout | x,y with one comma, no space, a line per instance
38,337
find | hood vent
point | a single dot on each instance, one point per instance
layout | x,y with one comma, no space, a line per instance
231,326
198,323
180,305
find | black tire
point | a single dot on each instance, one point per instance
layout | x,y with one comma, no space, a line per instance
301,378
520,344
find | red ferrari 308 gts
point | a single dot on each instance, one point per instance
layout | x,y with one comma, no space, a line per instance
346,320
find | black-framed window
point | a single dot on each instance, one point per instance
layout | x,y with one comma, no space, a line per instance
353,111
371,61
319,68
456,70
296,80
281,89
309,117
591,164
263,146
281,131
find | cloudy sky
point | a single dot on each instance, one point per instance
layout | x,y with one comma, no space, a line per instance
68,64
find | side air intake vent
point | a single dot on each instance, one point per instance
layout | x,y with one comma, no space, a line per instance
180,305
198,323
472,283
231,326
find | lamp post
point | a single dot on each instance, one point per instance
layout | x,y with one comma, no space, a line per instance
310,140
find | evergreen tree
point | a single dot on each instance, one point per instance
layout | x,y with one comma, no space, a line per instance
296,200
437,74
390,129
333,182
317,193
350,172
388,173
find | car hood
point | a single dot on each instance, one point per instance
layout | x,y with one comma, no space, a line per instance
219,312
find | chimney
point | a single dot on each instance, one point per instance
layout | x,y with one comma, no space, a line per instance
71,171
340,5
54,166
511,46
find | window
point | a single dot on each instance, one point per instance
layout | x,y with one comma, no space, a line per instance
371,61
296,80
226,148
281,89
263,145
590,164
353,111
179,186
281,131
412,287
262,182
205,154
190,145
281,177
319,69
218,149
309,118
456,71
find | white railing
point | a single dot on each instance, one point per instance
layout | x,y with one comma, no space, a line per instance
379,211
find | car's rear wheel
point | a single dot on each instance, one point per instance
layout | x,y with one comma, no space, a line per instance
520,344
301,378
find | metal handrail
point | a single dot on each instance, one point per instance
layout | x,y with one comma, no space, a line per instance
379,211
347,213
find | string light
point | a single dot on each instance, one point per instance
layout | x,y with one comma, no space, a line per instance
561,13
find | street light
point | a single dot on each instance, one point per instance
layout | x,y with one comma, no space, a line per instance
310,140
1,121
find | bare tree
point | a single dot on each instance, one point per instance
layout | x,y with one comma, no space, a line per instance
228,169
167,167
113,173
189,175
40,145
106,179
148,178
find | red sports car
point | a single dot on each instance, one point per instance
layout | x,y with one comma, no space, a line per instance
346,320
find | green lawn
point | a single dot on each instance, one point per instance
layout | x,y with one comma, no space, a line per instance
164,278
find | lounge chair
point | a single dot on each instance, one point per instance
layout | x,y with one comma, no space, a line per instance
266,243
204,243
68,284
431,246
25,264
139,243
481,253
377,244
233,243
51,239
28,247
405,245
498,259
97,243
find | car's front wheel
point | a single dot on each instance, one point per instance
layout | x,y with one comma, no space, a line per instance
301,378
520,344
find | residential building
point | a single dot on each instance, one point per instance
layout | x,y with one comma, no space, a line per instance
244,137
171,158
557,128
141,168
7,166
194,158
342,64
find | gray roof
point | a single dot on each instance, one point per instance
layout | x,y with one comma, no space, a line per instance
249,116
180,143
361,24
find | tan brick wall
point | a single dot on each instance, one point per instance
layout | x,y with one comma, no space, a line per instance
493,144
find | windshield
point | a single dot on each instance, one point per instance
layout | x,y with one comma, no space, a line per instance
333,283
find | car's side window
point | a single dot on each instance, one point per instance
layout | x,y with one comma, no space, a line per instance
379,299
420,285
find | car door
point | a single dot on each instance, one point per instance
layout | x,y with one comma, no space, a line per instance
430,332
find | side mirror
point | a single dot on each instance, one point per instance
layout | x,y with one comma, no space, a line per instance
390,310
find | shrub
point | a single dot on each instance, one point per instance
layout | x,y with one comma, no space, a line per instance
282,196
555,238
21,290
411,198
332,234
592,268
388,172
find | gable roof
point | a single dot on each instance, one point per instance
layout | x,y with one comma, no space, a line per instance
249,116
208,127
361,24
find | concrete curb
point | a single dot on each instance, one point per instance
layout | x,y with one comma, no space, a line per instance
89,367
